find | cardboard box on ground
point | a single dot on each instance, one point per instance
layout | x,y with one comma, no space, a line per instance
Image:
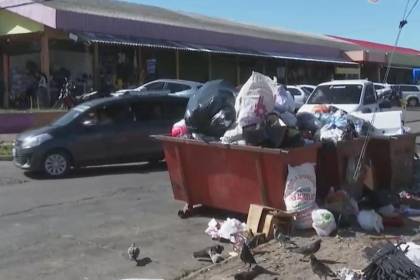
262,218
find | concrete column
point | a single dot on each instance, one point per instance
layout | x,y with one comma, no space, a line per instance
238,71
140,66
6,77
95,66
177,63
210,67
45,55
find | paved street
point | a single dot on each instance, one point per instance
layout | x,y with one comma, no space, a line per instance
81,227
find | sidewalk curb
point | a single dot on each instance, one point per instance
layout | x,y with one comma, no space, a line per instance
6,158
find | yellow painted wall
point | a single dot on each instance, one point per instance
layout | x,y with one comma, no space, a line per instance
11,23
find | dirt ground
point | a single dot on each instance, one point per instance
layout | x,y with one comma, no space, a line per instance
346,249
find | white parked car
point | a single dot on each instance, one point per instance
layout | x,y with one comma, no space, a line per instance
410,94
299,94
348,95
308,88
181,88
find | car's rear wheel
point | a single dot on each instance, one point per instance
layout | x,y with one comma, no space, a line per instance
412,102
57,163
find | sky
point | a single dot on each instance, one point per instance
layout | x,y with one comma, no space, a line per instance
357,19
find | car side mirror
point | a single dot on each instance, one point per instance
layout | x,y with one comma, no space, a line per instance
384,104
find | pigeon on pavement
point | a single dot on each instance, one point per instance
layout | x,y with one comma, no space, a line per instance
321,269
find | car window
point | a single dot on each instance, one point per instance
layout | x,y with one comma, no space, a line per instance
175,87
155,86
174,110
147,110
294,91
369,95
409,88
108,115
308,89
379,87
336,94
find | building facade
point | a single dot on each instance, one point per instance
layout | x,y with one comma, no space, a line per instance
111,45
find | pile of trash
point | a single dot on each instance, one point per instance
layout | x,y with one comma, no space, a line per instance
263,113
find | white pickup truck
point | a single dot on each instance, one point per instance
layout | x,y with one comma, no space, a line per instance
348,95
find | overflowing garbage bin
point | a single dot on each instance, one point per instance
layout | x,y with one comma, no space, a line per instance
230,177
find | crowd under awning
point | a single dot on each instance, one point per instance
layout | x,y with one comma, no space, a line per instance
186,46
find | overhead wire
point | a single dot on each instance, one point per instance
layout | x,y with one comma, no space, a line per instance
401,25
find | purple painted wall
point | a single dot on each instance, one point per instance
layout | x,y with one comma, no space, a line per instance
71,21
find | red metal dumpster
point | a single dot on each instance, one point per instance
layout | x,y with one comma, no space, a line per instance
333,162
393,161
230,177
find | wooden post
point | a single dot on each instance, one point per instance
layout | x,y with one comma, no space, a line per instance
177,63
6,77
238,71
210,67
95,65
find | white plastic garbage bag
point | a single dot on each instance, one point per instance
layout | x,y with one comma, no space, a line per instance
300,193
255,99
323,222
369,220
226,229
232,135
413,252
284,101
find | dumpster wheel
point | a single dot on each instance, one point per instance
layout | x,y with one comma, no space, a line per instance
186,212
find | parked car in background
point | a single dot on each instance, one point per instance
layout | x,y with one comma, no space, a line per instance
308,88
299,94
348,95
168,86
410,94
102,131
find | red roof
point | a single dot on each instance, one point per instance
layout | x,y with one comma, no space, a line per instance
377,46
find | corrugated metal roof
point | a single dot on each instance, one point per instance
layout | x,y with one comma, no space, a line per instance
186,46
139,12
377,46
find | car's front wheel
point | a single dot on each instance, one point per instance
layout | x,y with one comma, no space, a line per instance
57,164
412,102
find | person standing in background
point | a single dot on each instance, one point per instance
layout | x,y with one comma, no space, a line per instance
42,91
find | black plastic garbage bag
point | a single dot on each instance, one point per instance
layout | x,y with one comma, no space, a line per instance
211,111
268,133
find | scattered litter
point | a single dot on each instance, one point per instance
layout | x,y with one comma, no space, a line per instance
349,274
390,262
412,252
226,230
369,220
323,222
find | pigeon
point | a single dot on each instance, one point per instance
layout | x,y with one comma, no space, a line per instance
246,256
217,249
215,255
321,269
282,238
133,252
249,275
308,249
